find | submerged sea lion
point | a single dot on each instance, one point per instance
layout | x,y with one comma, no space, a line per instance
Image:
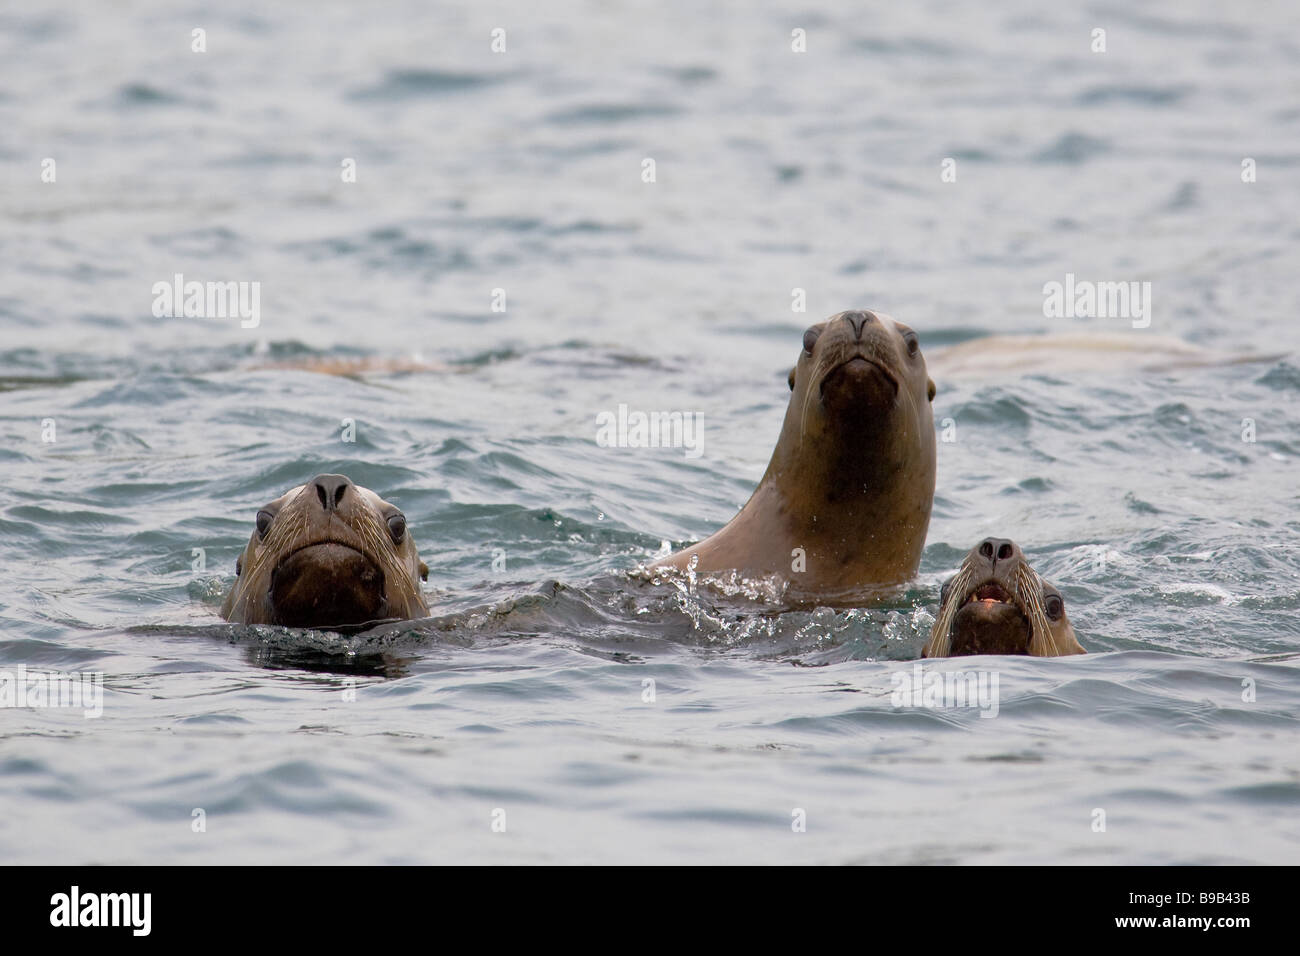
353,366
845,502
328,554
997,604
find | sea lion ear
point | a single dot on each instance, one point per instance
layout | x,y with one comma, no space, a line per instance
930,385
424,571
239,565
792,378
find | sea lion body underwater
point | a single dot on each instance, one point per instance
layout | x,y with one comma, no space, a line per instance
328,554
845,502
997,604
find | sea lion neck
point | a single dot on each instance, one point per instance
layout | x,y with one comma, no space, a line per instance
845,502
856,503
840,461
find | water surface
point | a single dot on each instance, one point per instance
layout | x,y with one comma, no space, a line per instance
1171,538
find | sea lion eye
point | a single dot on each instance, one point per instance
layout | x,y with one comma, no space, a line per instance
264,519
810,339
397,527
913,343
1054,606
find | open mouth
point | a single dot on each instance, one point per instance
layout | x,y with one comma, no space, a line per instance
990,593
327,584
990,621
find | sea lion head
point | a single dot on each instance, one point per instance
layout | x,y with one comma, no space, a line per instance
857,369
860,391
997,604
328,554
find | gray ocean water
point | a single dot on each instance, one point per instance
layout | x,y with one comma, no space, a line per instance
525,701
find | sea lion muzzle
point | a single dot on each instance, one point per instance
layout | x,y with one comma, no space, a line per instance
326,585
997,604
328,554
990,621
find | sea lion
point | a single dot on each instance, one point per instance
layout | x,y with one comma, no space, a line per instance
352,366
997,604
845,502
328,554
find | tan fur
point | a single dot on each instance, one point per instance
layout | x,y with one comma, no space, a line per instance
298,523
852,487
1027,591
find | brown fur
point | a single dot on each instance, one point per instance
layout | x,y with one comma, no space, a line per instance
332,544
851,480
1019,617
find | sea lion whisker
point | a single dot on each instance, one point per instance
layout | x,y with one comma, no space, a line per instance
1025,590
328,559
1041,643
820,369
940,631
974,618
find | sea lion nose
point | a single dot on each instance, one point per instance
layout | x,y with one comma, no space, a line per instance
858,320
331,490
997,549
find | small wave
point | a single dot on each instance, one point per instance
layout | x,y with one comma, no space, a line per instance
413,83
605,113
1073,148
1140,95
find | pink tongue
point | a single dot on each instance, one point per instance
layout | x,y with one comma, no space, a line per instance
989,601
